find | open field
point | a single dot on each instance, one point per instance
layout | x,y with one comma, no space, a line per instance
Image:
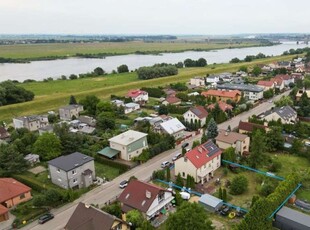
37,51
51,95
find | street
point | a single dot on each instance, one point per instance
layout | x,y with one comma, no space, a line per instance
110,190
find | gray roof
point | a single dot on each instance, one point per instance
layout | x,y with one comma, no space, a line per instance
172,126
210,200
241,87
285,112
31,118
71,161
69,107
294,216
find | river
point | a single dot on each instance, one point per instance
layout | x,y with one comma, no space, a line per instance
39,70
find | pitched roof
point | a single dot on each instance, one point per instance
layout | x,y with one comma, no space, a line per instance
241,87
90,218
70,161
128,137
249,127
172,126
223,106
139,195
230,137
203,153
265,83
172,99
3,210
221,93
135,93
278,81
199,111
10,188
4,133
283,76
285,112
294,216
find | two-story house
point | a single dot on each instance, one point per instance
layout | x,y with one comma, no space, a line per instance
251,92
226,139
221,95
149,199
32,123
200,162
198,81
126,145
138,96
173,127
196,114
69,112
223,106
74,171
286,114
87,217
267,85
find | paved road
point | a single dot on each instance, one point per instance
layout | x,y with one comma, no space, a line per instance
110,190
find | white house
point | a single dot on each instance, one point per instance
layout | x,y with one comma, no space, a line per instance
213,79
118,103
200,162
196,114
173,127
286,114
198,81
148,198
70,111
138,96
130,107
32,123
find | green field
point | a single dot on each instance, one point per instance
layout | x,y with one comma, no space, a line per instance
37,51
51,95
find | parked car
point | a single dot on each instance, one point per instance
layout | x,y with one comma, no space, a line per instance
225,210
176,156
184,145
123,184
165,164
46,217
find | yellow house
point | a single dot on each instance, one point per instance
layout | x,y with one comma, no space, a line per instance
227,139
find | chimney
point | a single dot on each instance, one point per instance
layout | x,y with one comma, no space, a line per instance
200,149
148,194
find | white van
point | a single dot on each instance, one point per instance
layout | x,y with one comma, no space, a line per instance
165,164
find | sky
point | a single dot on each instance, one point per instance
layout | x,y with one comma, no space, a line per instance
203,17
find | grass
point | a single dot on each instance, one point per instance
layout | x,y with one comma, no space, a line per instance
106,171
36,51
51,95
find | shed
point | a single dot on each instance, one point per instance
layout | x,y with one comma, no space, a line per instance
32,158
210,203
289,219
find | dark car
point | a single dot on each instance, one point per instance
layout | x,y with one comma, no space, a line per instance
46,217
225,210
184,145
240,213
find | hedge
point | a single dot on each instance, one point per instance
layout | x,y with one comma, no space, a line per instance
123,168
31,183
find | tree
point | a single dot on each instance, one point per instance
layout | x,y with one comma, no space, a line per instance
220,193
201,62
224,195
168,173
284,101
189,216
243,68
258,147
256,71
268,93
90,104
297,146
204,137
47,146
146,225
163,110
229,154
135,218
190,181
195,144
104,123
11,93
238,185
122,69
235,60
143,157
114,209
274,138
99,71
52,118
179,180
212,129
72,100
254,199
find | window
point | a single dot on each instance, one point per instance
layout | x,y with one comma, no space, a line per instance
218,164
73,172
59,179
22,196
58,170
74,180
183,174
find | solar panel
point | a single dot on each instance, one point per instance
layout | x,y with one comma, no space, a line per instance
211,147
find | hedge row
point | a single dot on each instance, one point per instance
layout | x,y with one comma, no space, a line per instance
31,183
123,168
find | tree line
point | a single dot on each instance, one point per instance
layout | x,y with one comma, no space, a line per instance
10,93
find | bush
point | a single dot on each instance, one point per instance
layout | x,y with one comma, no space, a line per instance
159,174
238,185
122,168
37,186
154,92
156,72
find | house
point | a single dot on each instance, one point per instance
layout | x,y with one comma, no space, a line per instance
147,198
266,69
4,213
156,121
210,203
213,79
198,81
237,80
250,92
72,171
226,77
87,217
171,100
200,162
284,64
126,146
70,112
226,139
247,127
4,134
118,103
130,107
173,127
286,114
220,95
170,92
223,106
287,219
32,158
12,193
287,79
196,114
267,85
279,83
138,96
88,120
46,129
301,92
32,123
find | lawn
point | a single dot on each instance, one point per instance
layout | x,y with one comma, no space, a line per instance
105,171
36,51
51,95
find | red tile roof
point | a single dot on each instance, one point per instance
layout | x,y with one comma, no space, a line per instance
135,93
278,81
135,195
3,210
223,106
249,127
221,93
10,188
199,111
203,153
283,76
265,83
173,100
